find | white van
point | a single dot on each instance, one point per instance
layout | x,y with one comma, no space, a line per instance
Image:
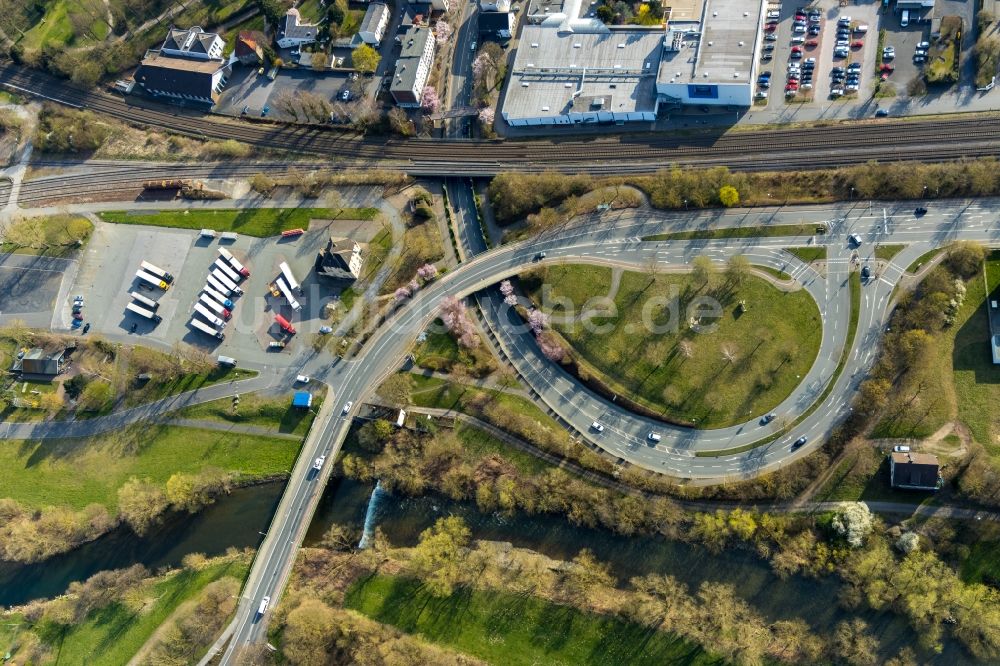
905,18
207,233
653,436
227,360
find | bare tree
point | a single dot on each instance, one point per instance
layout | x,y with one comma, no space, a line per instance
729,353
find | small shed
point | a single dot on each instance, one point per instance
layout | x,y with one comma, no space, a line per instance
302,400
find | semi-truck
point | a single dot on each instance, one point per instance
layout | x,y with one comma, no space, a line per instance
205,328
288,294
209,315
229,284
145,300
286,272
143,312
219,287
152,279
217,296
228,256
210,303
156,270
227,270
285,325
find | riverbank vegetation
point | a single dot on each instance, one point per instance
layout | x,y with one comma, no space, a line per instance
171,617
710,349
552,198
485,599
59,493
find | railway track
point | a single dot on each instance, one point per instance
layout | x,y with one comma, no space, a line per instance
787,148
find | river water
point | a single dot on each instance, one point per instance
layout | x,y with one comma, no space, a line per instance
234,520
815,601
238,520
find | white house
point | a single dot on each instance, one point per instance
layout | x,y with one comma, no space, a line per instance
192,43
374,24
412,67
293,32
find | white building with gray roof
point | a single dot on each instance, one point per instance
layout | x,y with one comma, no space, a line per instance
413,66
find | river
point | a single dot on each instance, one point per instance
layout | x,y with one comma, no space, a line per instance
234,520
815,601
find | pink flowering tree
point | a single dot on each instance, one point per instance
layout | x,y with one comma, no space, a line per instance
442,32
413,286
507,289
487,116
402,294
429,100
537,321
456,320
550,347
427,272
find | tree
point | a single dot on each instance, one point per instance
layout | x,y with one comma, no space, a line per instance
853,643
96,395
141,503
442,32
737,269
429,100
729,196
702,269
308,633
396,390
319,61
873,394
262,184
440,555
965,258
50,402
586,575
273,11
729,353
365,59
854,522
400,123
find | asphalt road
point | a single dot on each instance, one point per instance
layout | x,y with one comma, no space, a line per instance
616,238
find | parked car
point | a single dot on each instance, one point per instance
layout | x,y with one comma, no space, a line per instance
901,448
882,113
653,436
302,379
325,330
811,44
597,426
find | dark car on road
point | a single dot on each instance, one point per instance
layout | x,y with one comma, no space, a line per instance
800,441
920,211
866,273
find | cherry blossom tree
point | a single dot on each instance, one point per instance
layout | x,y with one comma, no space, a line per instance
507,289
487,115
402,294
429,100
427,272
413,286
442,32
456,320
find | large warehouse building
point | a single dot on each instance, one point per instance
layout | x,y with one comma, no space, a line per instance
572,69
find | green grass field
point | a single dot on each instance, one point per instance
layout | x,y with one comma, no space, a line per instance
439,351
77,472
808,254
482,444
266,412
962,370
261,222
56,28
982,564
113,635
887,252
513,629
739,232
53,236
743,365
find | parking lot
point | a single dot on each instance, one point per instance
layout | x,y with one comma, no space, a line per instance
905,41
29,288
251,91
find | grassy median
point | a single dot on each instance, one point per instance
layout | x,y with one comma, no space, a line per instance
261,222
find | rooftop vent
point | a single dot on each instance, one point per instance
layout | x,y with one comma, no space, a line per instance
545,108
577,45
621,46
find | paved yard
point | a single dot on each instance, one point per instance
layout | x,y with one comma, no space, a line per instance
29,288
248,89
